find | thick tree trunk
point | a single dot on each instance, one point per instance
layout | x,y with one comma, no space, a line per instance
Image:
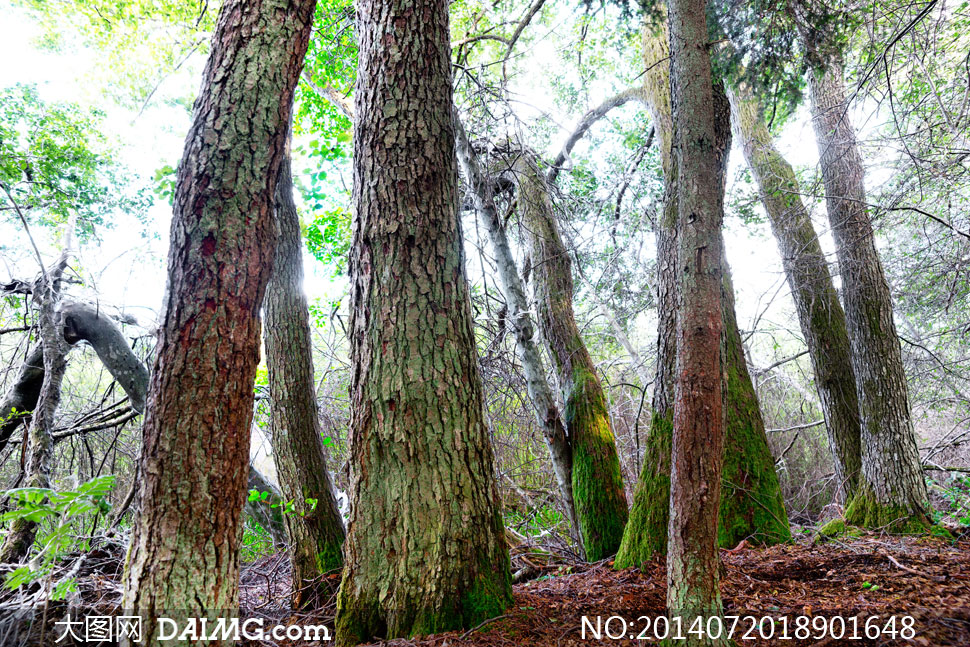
751,504
21,398
425,548
601,506
698,441
892,491
520,321
184,551
820,314
314,525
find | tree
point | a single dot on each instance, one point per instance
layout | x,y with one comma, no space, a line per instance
820,314
544,405
597,483
425,549
751,505
313,522
892,491
698,437
196,435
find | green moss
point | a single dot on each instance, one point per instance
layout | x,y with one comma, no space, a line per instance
752,507
597,482
833,528
866,512
645,535
330,557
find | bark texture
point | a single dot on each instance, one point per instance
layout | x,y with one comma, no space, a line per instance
892,490
315,528
425,548
519,320
820,314
698,441
601,506
184,552
751,506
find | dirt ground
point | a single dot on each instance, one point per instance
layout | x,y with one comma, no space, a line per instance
926,579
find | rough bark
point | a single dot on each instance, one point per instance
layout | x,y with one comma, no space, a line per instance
601,506
40,450
892,491
315,528
425,548
820,314
698,441
751,504
184,552
519,320
21,398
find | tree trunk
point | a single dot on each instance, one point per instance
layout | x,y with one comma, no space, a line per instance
40,456
820,314
184,552
892,491
520,320
425,548
601,506
315,528
751,504
698,441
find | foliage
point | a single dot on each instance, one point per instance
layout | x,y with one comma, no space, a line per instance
60,511
54,164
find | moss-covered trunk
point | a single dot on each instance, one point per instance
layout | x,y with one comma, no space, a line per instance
820,314
313,523
892,490
601,507
184,553
751,504
425,549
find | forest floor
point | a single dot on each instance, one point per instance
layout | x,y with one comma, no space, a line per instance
855,578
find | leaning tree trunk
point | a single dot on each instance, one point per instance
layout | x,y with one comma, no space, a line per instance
39,438
601,507
197,430
314,525
892,491
698,441
21,398
520,321
820,314
751,504
425,548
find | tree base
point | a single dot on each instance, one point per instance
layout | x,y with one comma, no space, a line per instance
864,511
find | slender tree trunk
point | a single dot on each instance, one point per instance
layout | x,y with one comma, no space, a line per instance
40,456
425,547
820,314
520,321
184,552
698,442
892,490
313,522
600,500
751,506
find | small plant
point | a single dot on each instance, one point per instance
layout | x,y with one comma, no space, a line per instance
61,510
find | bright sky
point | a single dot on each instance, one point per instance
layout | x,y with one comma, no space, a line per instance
128,271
